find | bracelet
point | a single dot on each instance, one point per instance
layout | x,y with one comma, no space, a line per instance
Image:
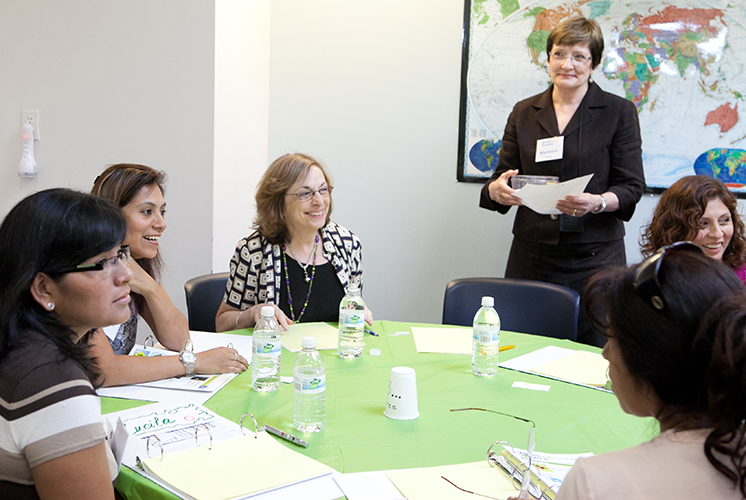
239,315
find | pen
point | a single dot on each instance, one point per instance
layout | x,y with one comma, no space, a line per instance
285,436
505,348
371,332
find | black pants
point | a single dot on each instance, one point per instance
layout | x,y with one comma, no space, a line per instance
570,265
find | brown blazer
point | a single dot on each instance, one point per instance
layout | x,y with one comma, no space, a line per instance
611,150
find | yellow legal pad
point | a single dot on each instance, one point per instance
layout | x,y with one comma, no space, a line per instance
326,336
580,367
427,484
235,468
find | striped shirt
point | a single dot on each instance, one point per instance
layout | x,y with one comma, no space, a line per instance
48,409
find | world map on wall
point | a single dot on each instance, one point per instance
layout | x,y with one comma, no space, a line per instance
683,65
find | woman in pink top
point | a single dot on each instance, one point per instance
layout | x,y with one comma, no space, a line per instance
676,328
703,210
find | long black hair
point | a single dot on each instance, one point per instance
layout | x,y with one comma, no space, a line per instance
692,352
47,232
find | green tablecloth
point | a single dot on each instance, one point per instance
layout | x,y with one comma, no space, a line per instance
358,437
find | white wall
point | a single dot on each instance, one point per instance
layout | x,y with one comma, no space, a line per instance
115,81
241,119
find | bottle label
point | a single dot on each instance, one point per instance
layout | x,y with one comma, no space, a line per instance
267,349
484,335
310,385
352,318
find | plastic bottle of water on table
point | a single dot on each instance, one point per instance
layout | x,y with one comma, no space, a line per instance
351,323
309,381
486,339
265,362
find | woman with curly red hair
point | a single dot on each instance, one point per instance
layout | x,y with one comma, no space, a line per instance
703,210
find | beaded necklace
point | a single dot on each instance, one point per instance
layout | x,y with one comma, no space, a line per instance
309,280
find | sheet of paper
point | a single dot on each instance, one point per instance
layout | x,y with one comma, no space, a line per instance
529,361
580,367
326,336
154,394
174,424
428,483
272,465
442,340
204,341
367,486
591,366
543,198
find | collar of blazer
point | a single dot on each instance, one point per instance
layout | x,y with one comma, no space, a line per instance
594,98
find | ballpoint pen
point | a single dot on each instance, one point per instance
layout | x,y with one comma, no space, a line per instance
284,435
505,348
371,332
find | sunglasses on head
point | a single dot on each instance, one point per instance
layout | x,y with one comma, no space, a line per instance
645,282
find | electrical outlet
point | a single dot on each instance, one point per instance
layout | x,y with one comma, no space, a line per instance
31,116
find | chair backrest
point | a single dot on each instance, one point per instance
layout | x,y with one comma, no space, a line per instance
203,297
523,305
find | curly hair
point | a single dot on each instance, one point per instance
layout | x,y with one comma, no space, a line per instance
692,353
272,188
578,30
677,217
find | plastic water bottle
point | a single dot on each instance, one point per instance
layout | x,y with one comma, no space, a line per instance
309,381
486,339
351,324
265,362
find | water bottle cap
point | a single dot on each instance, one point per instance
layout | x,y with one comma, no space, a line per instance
308,343
488,301
268,311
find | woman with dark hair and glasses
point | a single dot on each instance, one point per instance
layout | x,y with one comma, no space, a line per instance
599,134
676,328
63,274
297,259
138,190
705,211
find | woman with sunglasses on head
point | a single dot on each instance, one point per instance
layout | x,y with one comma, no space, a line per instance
138,190
599,134
703,210
296,260
676,352
62,275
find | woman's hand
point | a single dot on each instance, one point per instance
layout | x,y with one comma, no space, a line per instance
578,206
250,316
220,360
501,192
368,316
141,281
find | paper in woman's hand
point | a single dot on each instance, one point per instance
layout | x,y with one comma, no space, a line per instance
543,198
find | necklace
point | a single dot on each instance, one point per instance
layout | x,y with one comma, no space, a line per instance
308,262
308,280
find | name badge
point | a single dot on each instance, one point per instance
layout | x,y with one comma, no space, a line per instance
549,149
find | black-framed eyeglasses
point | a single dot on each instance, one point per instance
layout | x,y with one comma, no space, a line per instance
577,58
307,194
123,255
645,281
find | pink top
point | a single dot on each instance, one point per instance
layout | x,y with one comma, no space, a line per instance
741,273
672,466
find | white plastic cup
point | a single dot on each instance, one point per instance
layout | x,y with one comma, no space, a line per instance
402,399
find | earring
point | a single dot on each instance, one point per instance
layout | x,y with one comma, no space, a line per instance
51,306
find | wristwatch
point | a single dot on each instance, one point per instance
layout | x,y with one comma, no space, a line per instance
188,357
603,205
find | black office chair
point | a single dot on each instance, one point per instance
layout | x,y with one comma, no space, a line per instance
203,297
523,305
